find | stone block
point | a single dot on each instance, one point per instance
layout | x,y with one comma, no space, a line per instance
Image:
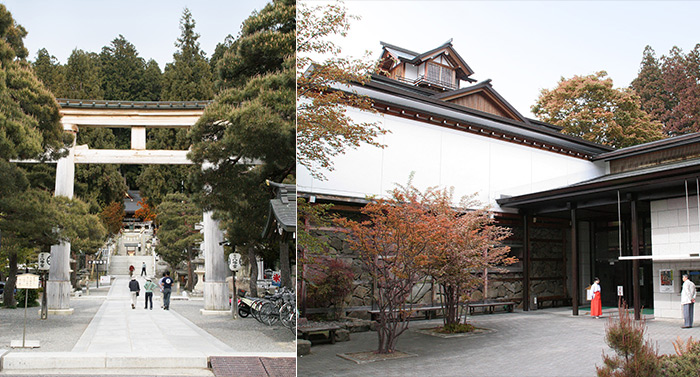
342,335
303,347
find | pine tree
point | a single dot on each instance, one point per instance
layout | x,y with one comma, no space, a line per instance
188,77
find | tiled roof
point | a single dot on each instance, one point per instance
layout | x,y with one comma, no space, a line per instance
104,104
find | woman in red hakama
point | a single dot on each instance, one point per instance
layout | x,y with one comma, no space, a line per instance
596,307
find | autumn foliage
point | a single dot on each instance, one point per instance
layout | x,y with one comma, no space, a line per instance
112,217
145,211
590,108
412,234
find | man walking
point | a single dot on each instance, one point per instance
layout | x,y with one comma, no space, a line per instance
167,285
688,301
148,287
134,288
143,269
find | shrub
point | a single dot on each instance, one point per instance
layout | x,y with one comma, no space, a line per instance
32,299
331,285
634,356
456,328
686,361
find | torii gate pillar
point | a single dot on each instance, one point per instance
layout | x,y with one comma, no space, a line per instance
215,287
58,287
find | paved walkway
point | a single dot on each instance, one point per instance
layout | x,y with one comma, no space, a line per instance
548,342
118,328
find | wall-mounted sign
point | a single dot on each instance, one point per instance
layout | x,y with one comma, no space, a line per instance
619,290
666,281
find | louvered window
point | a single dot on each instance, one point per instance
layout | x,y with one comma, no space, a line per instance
440,74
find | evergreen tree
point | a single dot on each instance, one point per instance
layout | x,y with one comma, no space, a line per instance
177,234
267,38
49,71
153,81
82,79
681,92
649,85
189,76
122,71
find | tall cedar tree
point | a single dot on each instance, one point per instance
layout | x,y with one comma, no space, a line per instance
393,245
324,129
82,76
254,119
188,77
123,72
178,215
49,71
590,108
649,86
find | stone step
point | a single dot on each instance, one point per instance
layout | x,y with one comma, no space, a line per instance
119,264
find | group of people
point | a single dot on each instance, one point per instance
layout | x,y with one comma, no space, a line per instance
143,269
165,284
688,293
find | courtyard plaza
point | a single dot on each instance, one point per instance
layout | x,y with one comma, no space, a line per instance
105,336
546,342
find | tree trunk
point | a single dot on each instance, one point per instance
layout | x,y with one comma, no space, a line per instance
9,297
253,271
285,270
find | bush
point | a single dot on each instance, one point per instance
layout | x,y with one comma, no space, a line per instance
634,357
330,285
456,328
32,300
686,361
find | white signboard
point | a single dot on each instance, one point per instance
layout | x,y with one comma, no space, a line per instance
105,280
44,261
619,290
27,281
234,261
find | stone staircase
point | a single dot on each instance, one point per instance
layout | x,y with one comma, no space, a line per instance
119,264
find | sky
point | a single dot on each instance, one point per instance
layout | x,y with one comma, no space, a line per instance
150,25
523,46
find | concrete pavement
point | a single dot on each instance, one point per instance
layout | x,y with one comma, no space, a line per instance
549,342
119,339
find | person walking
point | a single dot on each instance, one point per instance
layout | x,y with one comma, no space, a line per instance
134,288
596,306
131,270
688,301
149,287
143,269
167,285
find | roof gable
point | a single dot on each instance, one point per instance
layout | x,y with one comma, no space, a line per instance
399,54
482,97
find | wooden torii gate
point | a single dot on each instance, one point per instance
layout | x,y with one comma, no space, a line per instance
138,116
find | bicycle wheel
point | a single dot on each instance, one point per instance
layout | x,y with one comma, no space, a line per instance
287,316
269,314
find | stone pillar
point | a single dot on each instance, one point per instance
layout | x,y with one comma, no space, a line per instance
58,288
215,268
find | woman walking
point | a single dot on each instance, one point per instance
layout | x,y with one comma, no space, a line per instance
596,307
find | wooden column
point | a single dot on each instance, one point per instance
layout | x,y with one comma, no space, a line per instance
635,262
526,262
574,262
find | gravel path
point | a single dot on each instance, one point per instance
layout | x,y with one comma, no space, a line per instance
57,333
245,334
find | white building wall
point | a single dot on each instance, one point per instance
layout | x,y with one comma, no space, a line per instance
671,237
411,71
446,158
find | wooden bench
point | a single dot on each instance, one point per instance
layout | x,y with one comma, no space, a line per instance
491,306
430,312
554,300
306,332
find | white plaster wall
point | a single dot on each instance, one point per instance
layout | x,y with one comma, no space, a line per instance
445,158
411,71
671,236
670,233
668,305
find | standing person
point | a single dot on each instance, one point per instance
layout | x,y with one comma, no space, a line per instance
149,287
143,269
688,301
134,288
131,270
167,285
596,307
